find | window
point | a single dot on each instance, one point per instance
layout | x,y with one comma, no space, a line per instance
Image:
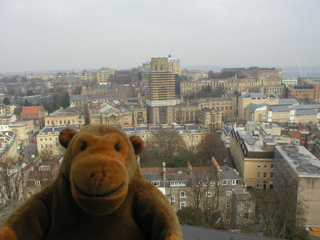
44,168
266,166
258,185
37,182
265,175
209,194
272,165
228,204
172,184
228,193
182,194
224,182
245,215
258,166
271,174
182,204
173,199
258,174
234,181
156,183
212,183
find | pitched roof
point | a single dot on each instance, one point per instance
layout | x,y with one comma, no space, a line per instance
294,134
252,107
276,108
306,112
287,101
307,106
228,173
78,97
253,95
30,110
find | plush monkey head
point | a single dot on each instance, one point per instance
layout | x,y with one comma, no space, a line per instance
99,163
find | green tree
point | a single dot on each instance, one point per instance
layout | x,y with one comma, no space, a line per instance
6,101
286,92
27,103
190,216
66,100
182,160
30,93
218,91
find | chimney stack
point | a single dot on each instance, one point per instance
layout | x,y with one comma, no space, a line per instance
164,171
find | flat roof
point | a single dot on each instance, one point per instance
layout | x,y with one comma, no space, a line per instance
251,141
300,160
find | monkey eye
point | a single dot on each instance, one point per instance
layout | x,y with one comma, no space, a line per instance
117,147
83,146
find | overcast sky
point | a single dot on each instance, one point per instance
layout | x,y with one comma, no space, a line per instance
80,34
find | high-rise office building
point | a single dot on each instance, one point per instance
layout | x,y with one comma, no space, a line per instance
161,93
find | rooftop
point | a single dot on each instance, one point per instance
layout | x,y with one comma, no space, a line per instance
251,140
253,95
306,106
30,110
302,112
201,233
287,101
275,108
252,106
78,97
57,129
300,160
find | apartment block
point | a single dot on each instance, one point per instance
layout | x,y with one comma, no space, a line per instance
254,157
48,139
256,98
303,93
296,166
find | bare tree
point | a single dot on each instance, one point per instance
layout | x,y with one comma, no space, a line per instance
11,179
280,212
212,145
204,196
163,146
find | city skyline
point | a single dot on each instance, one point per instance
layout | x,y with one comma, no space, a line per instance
49,35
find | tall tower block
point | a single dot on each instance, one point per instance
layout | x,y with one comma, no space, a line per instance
161,94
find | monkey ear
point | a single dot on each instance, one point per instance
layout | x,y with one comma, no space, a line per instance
65,136
137,144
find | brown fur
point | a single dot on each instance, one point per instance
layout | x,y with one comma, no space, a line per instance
100,193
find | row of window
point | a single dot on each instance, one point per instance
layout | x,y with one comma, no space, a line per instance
265,175
265,166
46,139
